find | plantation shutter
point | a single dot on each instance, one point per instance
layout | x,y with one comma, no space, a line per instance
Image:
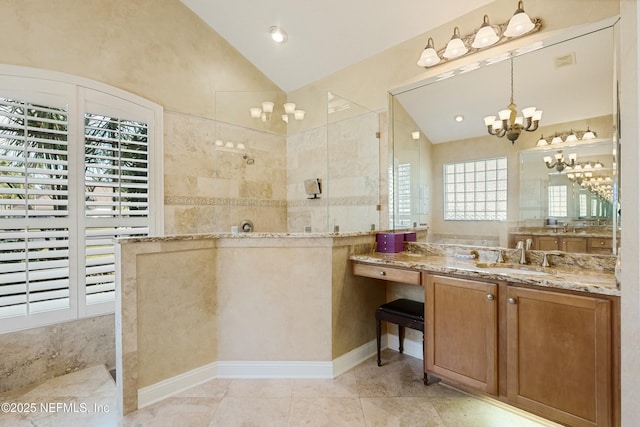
34,209
116,195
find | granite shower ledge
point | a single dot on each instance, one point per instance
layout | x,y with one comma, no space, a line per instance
574,279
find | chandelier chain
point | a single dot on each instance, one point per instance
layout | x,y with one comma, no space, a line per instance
512,79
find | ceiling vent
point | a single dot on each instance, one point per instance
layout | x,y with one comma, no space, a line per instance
565,60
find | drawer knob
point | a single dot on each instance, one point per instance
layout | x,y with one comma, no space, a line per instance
490,297
511,300
383,273
601,243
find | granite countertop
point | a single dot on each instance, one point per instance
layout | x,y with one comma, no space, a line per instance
575,278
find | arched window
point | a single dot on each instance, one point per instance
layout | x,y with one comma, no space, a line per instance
80,165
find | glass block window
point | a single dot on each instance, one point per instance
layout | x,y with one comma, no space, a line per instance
476,190
558,201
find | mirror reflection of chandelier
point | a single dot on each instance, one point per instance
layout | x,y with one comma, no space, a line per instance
558,161
509,123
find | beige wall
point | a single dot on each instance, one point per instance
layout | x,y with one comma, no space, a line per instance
157,49
176,297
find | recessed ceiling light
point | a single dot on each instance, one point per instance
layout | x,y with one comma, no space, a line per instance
278,34
459,118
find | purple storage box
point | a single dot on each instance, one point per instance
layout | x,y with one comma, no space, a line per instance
389,242
410,236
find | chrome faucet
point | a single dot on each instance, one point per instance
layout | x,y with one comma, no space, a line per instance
523,250
545,257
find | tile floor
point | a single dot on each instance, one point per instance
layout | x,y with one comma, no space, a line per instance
366,396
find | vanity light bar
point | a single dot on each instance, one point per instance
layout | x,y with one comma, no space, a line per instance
484,37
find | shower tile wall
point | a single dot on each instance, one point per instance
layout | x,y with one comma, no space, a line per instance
345,155
209,190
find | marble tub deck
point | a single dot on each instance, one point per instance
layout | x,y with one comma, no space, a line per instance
365,396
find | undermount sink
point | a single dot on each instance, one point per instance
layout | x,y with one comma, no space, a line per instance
508,269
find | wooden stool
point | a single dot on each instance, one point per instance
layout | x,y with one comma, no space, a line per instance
404,313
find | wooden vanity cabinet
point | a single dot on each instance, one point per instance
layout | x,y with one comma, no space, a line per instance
461,331
574,244
547,243
566,244
559,356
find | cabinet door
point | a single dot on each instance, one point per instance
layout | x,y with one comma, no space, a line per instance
601,245
574,244
461,331
559,356
547,243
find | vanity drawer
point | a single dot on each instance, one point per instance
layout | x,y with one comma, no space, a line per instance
387,273
601,242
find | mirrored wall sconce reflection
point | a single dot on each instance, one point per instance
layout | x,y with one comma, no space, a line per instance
559,162
230,145
264,113
571,136
599,185
484,37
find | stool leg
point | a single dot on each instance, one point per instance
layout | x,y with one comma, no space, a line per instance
378,334
401,337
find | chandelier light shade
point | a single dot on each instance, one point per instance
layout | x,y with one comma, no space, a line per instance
264,112
484,37
455,47
520,23
509,124
289,107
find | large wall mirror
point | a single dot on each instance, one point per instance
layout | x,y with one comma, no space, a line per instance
470,187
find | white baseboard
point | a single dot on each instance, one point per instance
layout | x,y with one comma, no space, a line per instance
174,385
411,347
356,356
275,369
257,369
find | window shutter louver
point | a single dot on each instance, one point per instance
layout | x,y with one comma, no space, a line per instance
34,197
116,193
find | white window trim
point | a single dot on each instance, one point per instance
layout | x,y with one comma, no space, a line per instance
96,91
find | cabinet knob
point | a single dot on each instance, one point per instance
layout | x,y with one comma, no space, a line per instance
383,273
601,243
511,300
490,297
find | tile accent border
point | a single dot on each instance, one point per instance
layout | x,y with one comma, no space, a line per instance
268,203
222,201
